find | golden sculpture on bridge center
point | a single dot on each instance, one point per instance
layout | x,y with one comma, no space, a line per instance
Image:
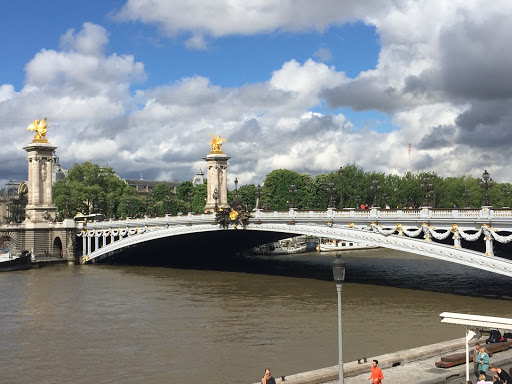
216,143
40,127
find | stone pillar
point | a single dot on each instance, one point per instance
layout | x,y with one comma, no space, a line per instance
216,164
40,207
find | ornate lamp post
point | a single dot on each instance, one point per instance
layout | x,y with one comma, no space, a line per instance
258,193
293,191
340,172
215,196
128,207
338,271
330,189
111,206
357,201
147,205
68,207
375,187
427,187
467,196
506,193
236,186
190,198
486,182
385,198
168,204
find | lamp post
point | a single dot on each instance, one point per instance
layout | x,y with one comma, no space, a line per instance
258,193
340,172
112,205
215,196
190,198
330,189
486,182
506,193
357,201
427,187
128,207
293,191
147,205
168,204
68,207
375,187
466,196
338,272
236,186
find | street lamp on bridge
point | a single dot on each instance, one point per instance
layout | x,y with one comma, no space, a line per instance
506,193
340,172
128,207
467,196
293,191
190,198
357,201
375,188
486,182
258,193
338,271
215,196
168,204
427,187
330,189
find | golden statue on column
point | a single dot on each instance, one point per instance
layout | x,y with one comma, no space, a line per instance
216,143
39,127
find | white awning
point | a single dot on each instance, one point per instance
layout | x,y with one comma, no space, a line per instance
474,324
483,323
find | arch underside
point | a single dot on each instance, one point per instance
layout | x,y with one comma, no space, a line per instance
418,246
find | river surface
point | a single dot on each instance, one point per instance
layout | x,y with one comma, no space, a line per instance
189,324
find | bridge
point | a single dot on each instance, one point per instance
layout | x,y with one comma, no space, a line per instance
436,233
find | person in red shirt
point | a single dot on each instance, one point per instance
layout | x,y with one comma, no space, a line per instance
376,375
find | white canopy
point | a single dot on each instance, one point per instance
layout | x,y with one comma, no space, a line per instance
474,324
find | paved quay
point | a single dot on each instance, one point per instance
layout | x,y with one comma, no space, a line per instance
416,365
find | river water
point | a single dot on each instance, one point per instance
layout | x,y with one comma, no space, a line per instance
228,321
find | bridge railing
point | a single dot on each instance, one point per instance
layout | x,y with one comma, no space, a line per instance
486,213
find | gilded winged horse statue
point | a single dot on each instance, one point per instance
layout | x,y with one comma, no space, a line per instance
216,143
40,127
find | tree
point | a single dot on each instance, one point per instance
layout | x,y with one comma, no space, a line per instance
276,193
16,208
89,188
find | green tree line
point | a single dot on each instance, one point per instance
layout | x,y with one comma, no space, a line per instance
89,188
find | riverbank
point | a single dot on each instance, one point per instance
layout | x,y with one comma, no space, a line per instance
416,365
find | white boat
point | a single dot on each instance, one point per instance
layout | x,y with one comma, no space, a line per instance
342,245
288,249
278,248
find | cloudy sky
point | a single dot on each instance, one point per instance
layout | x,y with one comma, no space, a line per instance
297,84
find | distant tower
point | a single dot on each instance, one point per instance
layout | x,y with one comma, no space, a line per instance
216,165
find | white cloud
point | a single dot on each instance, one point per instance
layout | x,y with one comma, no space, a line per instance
226,17
435,65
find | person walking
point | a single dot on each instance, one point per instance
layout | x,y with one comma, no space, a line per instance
268,379
502,374
476,369
483,361
376,375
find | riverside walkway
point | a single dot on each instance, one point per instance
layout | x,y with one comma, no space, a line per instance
417,365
